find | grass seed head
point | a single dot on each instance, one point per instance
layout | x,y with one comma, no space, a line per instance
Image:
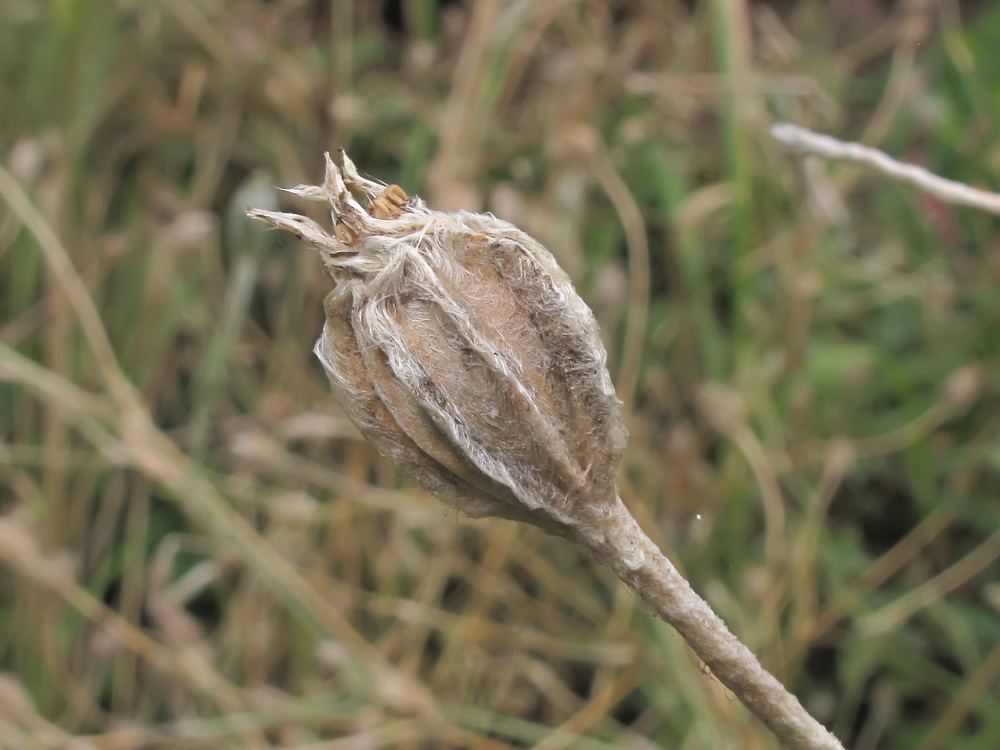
459,347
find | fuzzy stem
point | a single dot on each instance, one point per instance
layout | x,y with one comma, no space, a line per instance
625,548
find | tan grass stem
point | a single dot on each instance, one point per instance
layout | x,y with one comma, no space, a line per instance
806,141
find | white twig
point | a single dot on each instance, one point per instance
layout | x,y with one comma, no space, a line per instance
806,141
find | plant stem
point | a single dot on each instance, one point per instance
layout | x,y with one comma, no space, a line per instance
625,548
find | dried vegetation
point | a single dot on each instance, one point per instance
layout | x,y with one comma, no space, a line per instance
197,550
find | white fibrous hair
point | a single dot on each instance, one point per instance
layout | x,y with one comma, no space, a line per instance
459,347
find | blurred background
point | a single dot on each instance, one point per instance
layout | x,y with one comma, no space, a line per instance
197,550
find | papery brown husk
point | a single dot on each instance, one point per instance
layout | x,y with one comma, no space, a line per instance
470,365
461,350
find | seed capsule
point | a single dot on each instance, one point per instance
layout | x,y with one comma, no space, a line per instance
461,350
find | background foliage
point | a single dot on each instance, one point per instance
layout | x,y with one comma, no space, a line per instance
198,551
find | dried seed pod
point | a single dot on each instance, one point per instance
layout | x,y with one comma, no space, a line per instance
461,350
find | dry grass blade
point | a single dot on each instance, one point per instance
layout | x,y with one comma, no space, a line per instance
164,426
806,141
141,443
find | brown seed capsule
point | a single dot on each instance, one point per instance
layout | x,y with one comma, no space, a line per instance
461,350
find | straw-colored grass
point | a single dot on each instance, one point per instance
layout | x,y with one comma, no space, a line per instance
197,550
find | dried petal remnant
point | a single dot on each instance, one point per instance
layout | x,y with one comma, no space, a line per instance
461,350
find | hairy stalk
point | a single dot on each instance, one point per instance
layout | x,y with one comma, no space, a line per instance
459,347
639,563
